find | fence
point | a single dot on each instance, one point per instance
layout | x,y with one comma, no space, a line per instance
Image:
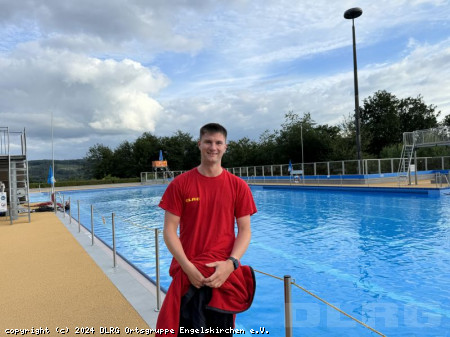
427,138
158,177
62,205
12,143
375,171
343,167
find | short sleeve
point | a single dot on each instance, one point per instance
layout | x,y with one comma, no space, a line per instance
245,205
172,200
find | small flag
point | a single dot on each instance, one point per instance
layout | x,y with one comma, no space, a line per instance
290,166
160,155
51,178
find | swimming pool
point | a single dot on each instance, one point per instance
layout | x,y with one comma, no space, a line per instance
382,258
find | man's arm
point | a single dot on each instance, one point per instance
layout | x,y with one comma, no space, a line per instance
225,268
173,243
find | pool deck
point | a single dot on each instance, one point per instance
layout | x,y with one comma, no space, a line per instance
52,277
422,184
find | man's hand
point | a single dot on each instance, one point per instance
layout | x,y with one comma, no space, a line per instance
195,277
223,270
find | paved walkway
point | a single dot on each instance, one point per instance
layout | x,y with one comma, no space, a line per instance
52,278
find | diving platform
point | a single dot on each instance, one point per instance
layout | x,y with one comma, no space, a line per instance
14,180
420,139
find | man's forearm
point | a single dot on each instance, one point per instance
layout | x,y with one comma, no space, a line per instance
243,238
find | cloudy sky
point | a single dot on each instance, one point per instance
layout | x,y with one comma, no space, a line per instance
109,70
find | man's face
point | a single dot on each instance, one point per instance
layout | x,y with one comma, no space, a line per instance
212,147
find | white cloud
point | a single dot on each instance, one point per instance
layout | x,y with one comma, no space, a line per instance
112,69
248,112
86,95
425,71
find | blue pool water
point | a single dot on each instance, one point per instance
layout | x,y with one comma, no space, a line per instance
382,258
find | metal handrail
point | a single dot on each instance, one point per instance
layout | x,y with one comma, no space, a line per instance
441,177
288,310
428,137
114,253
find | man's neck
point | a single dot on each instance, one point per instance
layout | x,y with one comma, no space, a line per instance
210,170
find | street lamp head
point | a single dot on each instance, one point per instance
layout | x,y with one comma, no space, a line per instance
353,13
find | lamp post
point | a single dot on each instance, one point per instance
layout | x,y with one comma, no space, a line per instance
352,14
303,161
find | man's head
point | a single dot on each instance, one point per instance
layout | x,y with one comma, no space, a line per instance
212,143
213,128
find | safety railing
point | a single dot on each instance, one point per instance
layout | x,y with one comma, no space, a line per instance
320,172
112,219
12,143
343,167
429,137
441,180
158,177
288,282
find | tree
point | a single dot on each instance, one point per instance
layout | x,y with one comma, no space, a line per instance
416,115
124,164
145,150
100,160
446,121
380,122
180,151
318,140
241,152
384,118
267,148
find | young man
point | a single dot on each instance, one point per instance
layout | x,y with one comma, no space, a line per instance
209,286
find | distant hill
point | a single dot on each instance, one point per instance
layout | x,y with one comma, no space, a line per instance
77,169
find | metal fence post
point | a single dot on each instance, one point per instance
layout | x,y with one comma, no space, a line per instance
70,212
78,210
113,240
287,305
158,286
55,204
92,223
63,206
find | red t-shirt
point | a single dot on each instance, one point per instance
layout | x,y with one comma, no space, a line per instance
207,207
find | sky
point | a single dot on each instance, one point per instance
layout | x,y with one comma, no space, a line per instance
106,71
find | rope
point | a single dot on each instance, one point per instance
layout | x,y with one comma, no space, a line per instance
134,224
261,272
322,300
104,217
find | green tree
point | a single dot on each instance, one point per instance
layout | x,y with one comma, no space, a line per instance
124,164
180,151
384,118
318,140
380,122
240,153
415,115
100,159
446,121
145,150
267,148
